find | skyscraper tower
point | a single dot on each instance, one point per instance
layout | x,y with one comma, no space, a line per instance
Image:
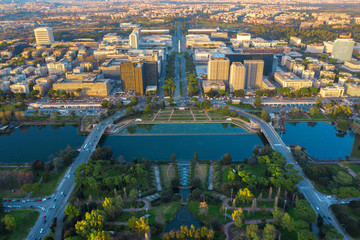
254,73
218,69
237,76
343,49
134,40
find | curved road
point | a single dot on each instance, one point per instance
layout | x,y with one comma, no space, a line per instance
320,202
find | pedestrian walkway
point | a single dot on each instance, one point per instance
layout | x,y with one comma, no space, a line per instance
157,177
172,112
156,115
206,113
210,180
351,172
192,114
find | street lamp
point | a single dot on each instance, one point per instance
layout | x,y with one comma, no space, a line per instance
231,193
285,204
87,204
139,194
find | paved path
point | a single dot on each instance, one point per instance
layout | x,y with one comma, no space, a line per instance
172,112
156,115
192,114
351,172
145,207
210,180
206,113
226,230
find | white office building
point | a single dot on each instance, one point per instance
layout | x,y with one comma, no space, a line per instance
44,36
343,49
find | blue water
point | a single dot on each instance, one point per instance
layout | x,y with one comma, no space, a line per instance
29,143
182,218
321,140
208,146
183,129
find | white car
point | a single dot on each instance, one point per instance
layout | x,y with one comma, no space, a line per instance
41,230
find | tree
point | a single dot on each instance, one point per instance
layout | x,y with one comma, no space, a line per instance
206,104
346,193
142,226
132,223
170,101
239,93
227,159
72,210
304,212
93,221
343,178
330,232
237,217
287,222
194,99
100,235
148,99
130,111
133,196
203,208
278,216
148,108
134,100
269,232
257,102
252,231
244,195
265,115
10,224
195,157
305,234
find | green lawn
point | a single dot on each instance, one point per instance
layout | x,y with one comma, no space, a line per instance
245,106
136,205
201,172
48,188
124,216
225,174
317,116
258,170
353,166
163,173
166,211
24,219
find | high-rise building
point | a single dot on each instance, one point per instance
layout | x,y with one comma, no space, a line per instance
268,59
218,69
254,73
237,76
132,77
44,36
134,38
343,49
